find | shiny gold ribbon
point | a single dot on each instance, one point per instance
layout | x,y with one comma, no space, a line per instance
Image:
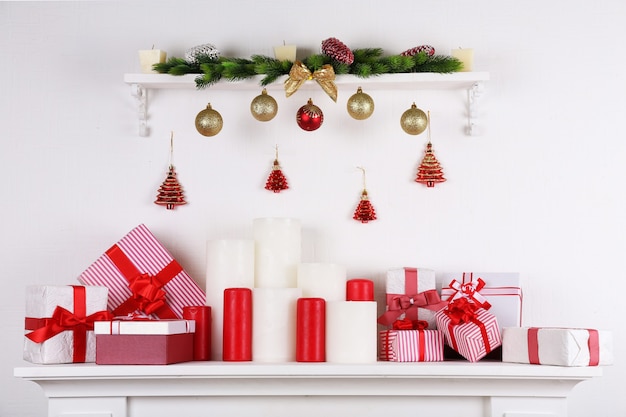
299,73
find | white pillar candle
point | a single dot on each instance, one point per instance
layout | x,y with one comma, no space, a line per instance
351,332
466,56
322,280
285,52
274,312
149,57
278,252
229,264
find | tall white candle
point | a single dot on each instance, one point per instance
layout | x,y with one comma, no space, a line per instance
323,280
229,264
351,332
278,248
466,56
274,312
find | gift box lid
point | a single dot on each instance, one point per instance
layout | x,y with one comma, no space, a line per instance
137,327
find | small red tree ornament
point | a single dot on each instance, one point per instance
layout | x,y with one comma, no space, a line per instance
429,171
364,211
276,181
171,192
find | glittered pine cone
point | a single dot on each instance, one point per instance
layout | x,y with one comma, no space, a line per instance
337,50
430,51
207,49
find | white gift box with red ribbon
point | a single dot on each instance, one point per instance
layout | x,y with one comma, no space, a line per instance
501,291
557,346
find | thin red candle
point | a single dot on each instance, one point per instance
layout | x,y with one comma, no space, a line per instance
311,330
359,289
237,342
202,336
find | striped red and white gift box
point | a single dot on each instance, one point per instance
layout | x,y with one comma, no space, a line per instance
411,345
148,256
472,340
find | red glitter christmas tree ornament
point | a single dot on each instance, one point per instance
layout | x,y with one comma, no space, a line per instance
337,50
429,171
364,211
170,193
276,181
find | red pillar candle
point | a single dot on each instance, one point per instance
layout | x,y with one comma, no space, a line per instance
202,336
311,330
359,289
237,341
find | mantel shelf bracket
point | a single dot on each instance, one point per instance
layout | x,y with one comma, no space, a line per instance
139,92
473,93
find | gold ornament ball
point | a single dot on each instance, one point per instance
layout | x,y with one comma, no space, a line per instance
209,122
264,107
414,121
360,105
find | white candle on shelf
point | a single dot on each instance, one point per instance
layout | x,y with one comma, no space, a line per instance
278,249
149,57
229,264
351,332
323,280
274,312
285,52
466,56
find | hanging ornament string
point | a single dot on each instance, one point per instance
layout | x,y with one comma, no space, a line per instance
324,76
276,181
364,211
429,171
170,194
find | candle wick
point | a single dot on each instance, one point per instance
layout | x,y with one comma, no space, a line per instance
284,43
152,46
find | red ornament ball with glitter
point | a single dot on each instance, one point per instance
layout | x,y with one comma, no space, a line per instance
309,117
337,50
429,50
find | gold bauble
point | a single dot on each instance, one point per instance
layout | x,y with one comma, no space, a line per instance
263,107
414,121
209,122
360,105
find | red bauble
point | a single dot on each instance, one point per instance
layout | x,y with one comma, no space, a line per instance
309,117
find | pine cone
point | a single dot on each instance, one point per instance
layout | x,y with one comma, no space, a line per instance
207,49
337,50
430,51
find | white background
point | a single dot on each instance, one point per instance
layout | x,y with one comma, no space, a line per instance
540,192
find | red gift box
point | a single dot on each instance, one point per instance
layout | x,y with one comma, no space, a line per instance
411,345
143,278
143,349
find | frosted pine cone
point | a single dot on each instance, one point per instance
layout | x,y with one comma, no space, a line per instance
430,51
337,50
192,54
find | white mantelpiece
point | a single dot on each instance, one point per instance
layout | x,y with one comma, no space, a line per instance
492,389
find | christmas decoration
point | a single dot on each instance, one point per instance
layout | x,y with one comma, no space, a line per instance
170,193
209,122
337,50
427,49
207,50
264,107
324,76
364,211
429,171
368,62
309,117
360,105
414,121
276,181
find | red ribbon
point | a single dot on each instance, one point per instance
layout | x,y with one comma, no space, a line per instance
461,311
148,294
420,326
62,320
593,344
470,289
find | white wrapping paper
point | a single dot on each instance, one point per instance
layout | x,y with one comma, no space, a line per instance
396,284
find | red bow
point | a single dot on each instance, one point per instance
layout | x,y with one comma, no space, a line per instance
401,303
461,311
147,293
62,320
407,324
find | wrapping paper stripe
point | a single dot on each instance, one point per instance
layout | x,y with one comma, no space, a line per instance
149,256
411,345
467,338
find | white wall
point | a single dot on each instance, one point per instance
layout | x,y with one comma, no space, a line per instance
540,192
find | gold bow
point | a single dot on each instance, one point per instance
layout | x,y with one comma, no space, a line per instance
299,73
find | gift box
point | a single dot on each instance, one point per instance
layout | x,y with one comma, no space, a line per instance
412,294
557,346
59,322
498,292
470,330
144,342
143,278
411,345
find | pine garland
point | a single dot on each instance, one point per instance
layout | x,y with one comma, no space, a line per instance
368,62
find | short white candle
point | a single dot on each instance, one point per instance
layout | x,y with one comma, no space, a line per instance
229,264
149,57
323,280
466,56
351,332
278,250
285,52
274,312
